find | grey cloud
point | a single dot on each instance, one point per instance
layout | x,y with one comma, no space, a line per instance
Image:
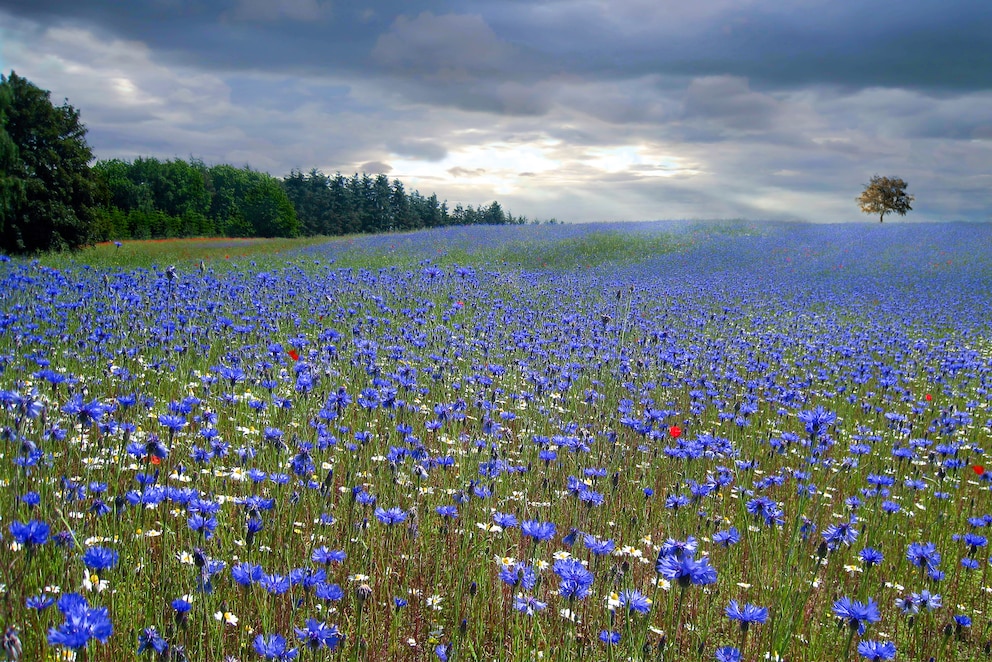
451,47
376,168
426,150
729,101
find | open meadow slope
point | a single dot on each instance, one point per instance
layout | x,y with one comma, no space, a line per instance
671,441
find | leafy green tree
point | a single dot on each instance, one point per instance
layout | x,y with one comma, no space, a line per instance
883,195
47,192
11,186
267,209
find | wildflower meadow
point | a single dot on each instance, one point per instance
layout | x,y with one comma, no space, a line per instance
671,441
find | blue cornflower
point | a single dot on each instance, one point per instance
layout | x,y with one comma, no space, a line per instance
877,650
31,499
634,600
597,546
327,556
399,603
246,573
962,621
172,422
538,530
99,559
319,635
39,602
329,592
727,538
817,420
837,534
528,604
518,574
609,637
856,613
686,570
504,520
447,511
32,533
202,525
181,607
149,638
392,516
273,647
82,623
927,600
871,556
576,580
678,548
920,554
275,583
746,614
728,654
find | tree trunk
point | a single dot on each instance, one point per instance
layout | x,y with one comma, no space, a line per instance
881,216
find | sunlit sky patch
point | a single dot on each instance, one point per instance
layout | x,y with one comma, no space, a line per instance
584,111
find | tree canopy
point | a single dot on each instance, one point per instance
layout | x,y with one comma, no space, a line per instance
46,187
50,197
883,195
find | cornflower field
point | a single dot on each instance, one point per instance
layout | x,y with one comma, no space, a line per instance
671,441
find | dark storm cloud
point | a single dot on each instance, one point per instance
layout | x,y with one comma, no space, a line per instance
918,44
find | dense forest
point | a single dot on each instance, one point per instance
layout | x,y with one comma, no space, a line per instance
52,198
149,198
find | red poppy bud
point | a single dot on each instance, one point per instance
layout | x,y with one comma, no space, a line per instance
674,431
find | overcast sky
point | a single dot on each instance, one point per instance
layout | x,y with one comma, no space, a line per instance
584,110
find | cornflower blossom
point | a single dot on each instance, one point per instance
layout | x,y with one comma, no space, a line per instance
390,517
746,614
528,604
927,600
576,580
538,530
518,574
30,534
727,538
871,556
817,420
82,623
728,654
685,570
877,650
596,546
635,601
99,559
318,635
856,613
150,639
923,554
273,647
837,534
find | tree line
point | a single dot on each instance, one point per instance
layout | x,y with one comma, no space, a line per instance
52,198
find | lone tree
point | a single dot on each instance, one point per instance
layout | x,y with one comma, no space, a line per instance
47,191
883,195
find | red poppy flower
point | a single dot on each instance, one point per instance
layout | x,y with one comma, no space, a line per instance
674,431
155,459
928,397
978,469
294,355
